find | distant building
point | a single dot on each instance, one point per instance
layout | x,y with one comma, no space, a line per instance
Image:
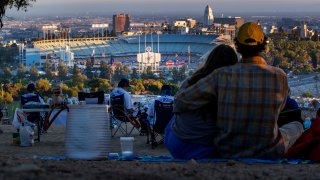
233,21
191,23
67,56
227,27
30,57
184,30
304,31
208,16
121,22
180,24
273,29
141,28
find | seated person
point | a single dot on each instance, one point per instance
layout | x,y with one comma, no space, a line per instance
57,98
189,135
166,96
31,97
121,89
249,97
57,114
136,109
143,119
291,112
165,117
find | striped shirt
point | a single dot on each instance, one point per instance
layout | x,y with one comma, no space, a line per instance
250,96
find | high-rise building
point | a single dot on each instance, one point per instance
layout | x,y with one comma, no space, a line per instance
208,16
121,22
304,31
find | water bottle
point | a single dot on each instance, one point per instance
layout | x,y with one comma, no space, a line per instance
307,123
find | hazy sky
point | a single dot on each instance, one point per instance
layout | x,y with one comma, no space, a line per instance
108,7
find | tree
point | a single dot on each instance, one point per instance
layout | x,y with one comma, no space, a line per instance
15,89
315,37
106,70
7,97
8,55
34,74
137,86
43,86
8,4
99,84
120,72
108,33
307,94
134,73
152,85
175,74
78,79
21,71
182,73
7,73
63,71
315,57
148,74
47,69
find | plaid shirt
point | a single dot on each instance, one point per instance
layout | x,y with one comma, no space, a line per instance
250,96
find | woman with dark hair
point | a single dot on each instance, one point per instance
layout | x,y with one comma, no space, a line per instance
222,55
189,135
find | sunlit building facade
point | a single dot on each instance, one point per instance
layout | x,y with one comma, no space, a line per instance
208,16
121,22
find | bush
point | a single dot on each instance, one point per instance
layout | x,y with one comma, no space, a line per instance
307,95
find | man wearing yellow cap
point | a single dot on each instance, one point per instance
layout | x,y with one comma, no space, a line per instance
250,96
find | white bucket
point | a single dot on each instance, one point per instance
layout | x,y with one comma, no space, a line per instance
88,132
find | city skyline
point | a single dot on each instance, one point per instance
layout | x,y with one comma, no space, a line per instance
153,7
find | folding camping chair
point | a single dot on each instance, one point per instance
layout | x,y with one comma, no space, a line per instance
92,97
120,120
163,115
288,116
47,121
34,117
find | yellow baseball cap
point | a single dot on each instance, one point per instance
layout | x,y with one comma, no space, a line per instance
250,34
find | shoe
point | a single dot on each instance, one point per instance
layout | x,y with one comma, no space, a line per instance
154,144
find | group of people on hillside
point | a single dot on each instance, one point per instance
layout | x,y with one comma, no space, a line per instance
230,107
145,118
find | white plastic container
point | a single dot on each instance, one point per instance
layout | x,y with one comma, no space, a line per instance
26,135
88,132
126,146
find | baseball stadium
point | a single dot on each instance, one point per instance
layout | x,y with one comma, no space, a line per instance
175,49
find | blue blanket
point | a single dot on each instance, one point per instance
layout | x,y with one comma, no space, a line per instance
168,158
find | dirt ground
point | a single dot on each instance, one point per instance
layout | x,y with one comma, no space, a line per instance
24,163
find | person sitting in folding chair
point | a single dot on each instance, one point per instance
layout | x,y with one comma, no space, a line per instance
140,114
121,109
31,98
160,113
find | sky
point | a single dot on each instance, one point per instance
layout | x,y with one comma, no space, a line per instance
155,7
